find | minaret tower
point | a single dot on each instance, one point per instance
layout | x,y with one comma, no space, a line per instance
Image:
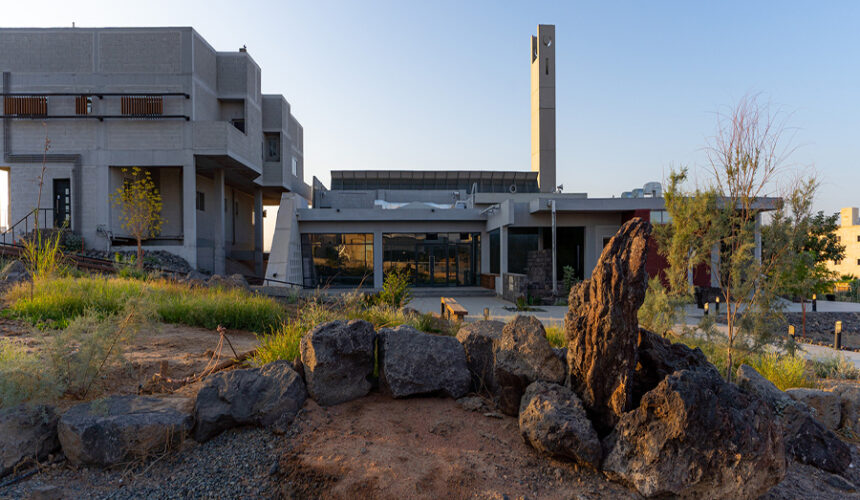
543,106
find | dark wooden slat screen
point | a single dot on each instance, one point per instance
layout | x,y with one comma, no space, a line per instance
81,105
143,105
25,105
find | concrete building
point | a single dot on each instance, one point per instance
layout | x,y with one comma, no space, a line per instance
501,230
157,98
849,236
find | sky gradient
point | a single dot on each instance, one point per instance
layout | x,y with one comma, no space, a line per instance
444,85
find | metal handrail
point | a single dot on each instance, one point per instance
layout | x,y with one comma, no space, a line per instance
26,222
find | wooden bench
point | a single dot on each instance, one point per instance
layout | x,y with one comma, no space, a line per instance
451,307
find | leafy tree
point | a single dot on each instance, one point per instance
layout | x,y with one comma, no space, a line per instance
811,242
745,156
140,202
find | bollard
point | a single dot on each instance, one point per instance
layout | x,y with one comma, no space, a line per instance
814,302
718,305
837,336
706,308
791,331
486,313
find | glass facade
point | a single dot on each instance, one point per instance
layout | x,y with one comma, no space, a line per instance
520,242
337,260
434,259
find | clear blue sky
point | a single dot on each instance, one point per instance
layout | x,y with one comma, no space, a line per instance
445,84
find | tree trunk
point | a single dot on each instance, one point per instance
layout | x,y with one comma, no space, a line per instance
139,254
803,315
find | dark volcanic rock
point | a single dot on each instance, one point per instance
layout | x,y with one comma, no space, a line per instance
414,363
478,339
338,361
603,328
121,429
26,433
553,420
522,356
268,396
659,358
696,436
806,439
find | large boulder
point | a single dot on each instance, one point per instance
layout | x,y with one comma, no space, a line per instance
826,405
27,433
14,272
522,356
553,420
658,358
603,328
268,396
338,361
696,436
850,395
478,339
806,439
122,429
415,363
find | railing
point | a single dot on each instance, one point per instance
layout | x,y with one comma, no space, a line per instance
26,224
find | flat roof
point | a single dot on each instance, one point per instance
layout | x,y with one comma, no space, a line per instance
434,174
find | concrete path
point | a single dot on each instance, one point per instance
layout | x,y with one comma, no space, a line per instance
475,305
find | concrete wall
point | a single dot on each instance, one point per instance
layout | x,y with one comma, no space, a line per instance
220,86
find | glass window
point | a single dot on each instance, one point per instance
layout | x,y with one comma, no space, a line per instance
434,259
295,166
273,147
338,259
495,249
520,242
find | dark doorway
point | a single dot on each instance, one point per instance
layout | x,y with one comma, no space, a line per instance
62,203
570,248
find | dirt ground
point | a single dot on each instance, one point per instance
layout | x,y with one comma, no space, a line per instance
174,352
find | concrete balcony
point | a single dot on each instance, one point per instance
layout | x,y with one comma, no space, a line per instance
223,139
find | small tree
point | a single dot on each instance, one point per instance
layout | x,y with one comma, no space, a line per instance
140,203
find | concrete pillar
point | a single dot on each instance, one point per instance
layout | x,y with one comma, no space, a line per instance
503,259
218,251
189,213
377,260
715,265
485,252
258,231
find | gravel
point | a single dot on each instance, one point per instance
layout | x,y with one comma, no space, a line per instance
236,464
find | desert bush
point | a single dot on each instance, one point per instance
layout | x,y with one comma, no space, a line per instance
569,279
42,254
56,302
396,289
555,335
659,312
785,371
836,367
24,376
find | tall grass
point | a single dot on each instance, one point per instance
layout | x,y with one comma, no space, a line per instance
24,376
555,335
56,302
785,371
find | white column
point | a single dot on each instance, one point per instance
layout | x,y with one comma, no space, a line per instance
485,252
219,254
377,260
189,213
258,231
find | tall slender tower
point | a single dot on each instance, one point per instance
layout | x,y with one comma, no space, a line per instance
543,106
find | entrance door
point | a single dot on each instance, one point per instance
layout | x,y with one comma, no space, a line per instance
62,203
436,264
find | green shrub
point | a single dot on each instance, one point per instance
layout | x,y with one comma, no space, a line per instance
396,289
24,376
42,254
783,370
835,367
555,335
659,312
569,279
